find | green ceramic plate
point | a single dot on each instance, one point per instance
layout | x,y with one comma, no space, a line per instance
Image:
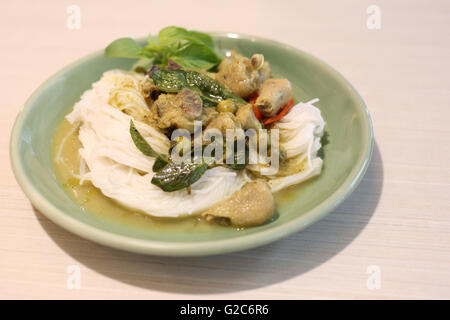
346,156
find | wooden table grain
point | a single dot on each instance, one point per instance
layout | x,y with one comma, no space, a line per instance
389,239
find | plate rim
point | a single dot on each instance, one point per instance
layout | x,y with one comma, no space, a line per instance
212,247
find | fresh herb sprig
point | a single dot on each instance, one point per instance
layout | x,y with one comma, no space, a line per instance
190,49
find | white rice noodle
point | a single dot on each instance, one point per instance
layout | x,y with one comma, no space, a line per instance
282,182
300,132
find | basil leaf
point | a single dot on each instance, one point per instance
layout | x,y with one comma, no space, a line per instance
151,43
175,177
141,143
196,56
170,35
160,162
190,49
169,80
209,90
201,37
123,48
142,65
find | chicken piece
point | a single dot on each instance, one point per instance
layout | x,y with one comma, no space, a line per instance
191,104
150,92
224,121
274,94
241,75
178,110
252,205
247,119
208,115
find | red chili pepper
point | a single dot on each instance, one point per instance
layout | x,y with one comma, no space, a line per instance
257,112
281,114
253,98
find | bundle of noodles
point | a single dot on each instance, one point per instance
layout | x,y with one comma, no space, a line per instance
125,93
300,132
299,136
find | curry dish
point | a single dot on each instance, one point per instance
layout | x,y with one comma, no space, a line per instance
189,132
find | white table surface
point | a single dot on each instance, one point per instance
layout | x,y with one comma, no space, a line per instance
397,220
